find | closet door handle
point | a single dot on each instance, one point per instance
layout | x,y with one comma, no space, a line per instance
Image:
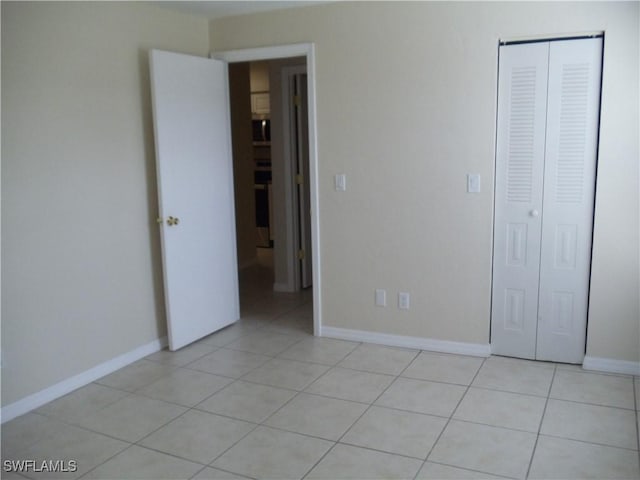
534,213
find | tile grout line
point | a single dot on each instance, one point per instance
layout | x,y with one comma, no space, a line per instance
138,444
446,425
363,413
544,411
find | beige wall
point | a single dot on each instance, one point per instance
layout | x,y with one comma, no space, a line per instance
81,279
406,97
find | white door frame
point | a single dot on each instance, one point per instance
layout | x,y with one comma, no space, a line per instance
306,50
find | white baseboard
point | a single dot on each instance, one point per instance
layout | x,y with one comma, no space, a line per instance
38,399
611,365
430,344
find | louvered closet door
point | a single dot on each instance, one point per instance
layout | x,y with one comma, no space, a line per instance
548,108
522,94
569,184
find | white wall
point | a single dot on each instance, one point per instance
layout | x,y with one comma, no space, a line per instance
81,279
406,95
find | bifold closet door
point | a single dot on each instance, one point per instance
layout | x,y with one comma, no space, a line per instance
573,111
548,105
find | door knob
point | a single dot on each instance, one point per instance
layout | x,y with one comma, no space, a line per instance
171,221
534,213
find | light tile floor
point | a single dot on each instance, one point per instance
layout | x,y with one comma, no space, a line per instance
264,399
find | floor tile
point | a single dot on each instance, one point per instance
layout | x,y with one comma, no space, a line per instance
590,423
286,373
12,476
229,363
422,397
197,436
301,322
82,402
319,350
444,368
517,376
317,416
396,431
209,473
182,357
24,431
437,471
486,449
264,343
501,409
379,359
608,390
247,401
227,335
298,327
142,463
351,385
185,387
348,462
136,375
131,418
88,449
560,458
271,453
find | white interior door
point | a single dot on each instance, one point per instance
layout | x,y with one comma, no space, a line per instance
522,94
569,188
548,110
195,188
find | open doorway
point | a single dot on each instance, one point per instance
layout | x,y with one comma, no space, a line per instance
272,194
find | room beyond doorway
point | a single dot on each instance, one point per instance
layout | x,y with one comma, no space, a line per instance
270,153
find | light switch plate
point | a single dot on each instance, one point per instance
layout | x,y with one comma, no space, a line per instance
341,182
381,298
404,300
473,183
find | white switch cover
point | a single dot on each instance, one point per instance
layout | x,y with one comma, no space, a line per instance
404,300
381,298
473,183
341,182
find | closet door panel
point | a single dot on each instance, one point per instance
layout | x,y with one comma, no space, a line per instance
569,186
522,94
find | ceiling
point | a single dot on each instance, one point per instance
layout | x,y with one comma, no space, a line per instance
220,9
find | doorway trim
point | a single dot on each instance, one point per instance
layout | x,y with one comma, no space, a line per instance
306,50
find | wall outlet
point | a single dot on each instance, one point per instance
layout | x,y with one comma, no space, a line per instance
381,298
404,300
